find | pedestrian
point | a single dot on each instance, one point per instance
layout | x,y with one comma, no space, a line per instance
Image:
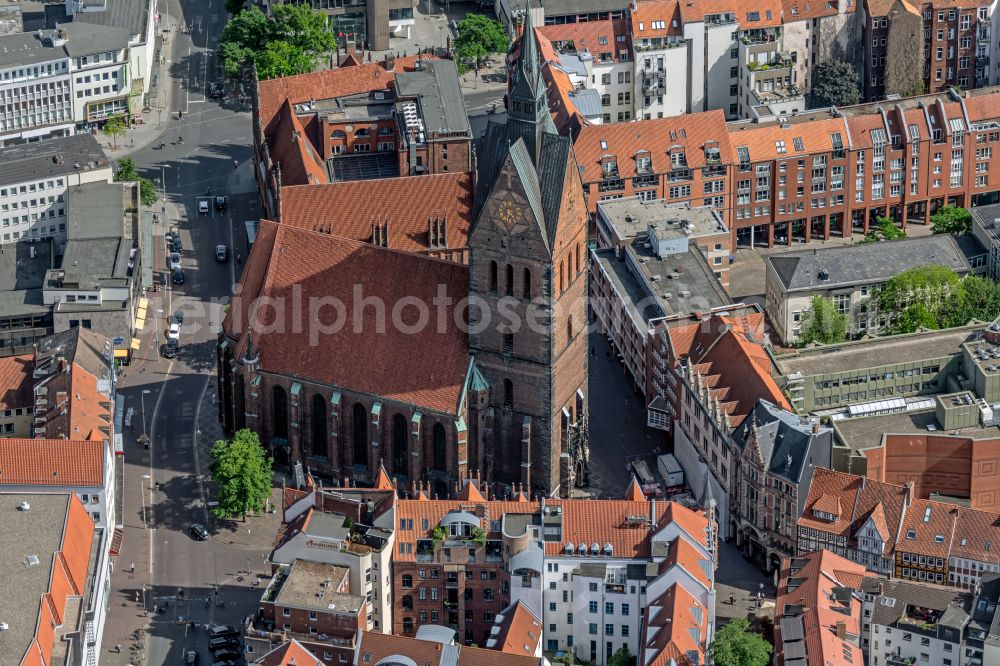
236,164
131,568
732,599
118,648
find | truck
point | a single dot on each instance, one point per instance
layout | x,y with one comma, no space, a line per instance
670,470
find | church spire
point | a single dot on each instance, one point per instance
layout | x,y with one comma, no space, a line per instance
528,111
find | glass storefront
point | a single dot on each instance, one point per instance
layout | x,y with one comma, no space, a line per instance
349,28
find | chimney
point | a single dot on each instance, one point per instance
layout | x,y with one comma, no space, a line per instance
841,630
907,494
815,427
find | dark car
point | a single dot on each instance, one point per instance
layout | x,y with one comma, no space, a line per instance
226,662
179,317
170,349
222,630
177,277
227,643
221,203
176,245
198,531
227,654
221,253
215,90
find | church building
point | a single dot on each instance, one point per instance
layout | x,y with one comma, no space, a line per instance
344,355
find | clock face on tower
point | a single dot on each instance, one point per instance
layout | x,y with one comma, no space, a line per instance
511,217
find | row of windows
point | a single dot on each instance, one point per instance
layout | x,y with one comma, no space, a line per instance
32,187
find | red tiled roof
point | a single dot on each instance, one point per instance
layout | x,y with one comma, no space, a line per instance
828,504
326,84
681,553
368,352
291,653
634,492
52,462
565,114
519,632
801,10
692,131
374,647
928,528
290,148
818,574
645,12
470,493
769,11
860,498
382,481
406,205
977,535
764,140
603,522
607,36
16,381
672,625
738,371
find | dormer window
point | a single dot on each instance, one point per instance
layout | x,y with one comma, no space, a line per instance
824,515
569,548
678,158
643,162
609,166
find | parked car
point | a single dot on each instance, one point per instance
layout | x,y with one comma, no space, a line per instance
227,654
222,630
221,203
175,261
225,643
191,658
198,531
178,277
215,90
170,349
171,235
174,332
226,662
221,253
176,245
179,317
203,206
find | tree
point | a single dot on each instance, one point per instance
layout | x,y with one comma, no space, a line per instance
952,220
926,296
245,35
835,83
147,192
127,172
823,323
282,59
735,645
300,26
980,300
479,36
884,229
622,658
115,127
242,473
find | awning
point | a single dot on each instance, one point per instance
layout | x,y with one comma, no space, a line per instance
143,302
135,344
140,318
121,353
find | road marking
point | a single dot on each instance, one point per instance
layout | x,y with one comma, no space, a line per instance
194,438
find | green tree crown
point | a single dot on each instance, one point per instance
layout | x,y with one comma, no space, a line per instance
242,473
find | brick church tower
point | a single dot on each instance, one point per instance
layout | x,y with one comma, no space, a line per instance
528,287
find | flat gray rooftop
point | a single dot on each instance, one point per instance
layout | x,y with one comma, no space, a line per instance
91,261
864,263
439,97
327,525
95,210
683,282
22,278
37,532
864,354
631,216
132,15
866,432
312,585
30,48
51,158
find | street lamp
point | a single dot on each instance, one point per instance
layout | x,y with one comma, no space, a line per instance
215,567
163,186
142,400
142,495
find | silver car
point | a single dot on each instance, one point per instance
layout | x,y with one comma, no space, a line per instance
175,261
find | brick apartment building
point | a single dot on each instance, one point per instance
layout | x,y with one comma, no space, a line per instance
397,117
819,174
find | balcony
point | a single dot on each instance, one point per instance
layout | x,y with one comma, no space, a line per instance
982,61
611,185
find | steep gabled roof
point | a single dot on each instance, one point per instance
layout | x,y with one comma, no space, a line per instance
368,353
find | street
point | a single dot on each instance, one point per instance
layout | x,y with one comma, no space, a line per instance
204,153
